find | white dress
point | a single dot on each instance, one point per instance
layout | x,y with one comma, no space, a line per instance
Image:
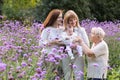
78,61
47,35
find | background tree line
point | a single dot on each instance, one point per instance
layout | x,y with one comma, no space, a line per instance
38,9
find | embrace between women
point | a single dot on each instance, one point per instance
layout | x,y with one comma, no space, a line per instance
76,45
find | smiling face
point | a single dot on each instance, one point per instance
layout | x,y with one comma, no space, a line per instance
97,34
59,20
72,22
93,36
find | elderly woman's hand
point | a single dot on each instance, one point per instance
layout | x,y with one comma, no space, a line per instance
75,43
78,39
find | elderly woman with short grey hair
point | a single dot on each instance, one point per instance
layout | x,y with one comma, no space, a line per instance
97,56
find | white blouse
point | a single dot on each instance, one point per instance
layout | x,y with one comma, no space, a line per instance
82,33
97,67
47,35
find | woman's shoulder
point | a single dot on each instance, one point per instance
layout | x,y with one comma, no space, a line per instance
48,28
63,33
104,42
80,29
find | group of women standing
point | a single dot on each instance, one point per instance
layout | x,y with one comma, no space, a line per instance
55,27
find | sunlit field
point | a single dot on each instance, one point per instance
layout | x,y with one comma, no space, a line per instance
21,59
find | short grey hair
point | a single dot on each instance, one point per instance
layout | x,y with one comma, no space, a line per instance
98,31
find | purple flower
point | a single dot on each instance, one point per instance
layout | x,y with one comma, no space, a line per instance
24,40
21,74
1,16
109,68
24,64
36,53
57,57
29,60
95,65
52,59
54,50
25,55
18,68
2,67
74,66
61,48
57,78
39,63
34,78
41,26
80,73
118,39
63,55
38,70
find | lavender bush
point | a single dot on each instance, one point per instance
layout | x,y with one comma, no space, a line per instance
21,59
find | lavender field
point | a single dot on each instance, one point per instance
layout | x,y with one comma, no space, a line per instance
20,57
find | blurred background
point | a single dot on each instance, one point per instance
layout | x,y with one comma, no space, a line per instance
38,9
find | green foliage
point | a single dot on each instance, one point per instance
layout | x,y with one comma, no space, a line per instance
105,9
114,50
114,56
114,74
1,3
79,6
18,9
99,9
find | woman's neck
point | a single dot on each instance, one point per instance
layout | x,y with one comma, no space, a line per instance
55,25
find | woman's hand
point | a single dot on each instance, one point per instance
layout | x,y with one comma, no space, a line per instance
76,42
54,42
78,39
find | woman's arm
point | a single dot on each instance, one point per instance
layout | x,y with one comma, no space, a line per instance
85,48
44,39
84,36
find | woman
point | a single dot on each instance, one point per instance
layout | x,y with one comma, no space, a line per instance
51,31
71,20
97,55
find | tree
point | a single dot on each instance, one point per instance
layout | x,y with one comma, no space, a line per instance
92,9
1,3
18,9
79,6
105,9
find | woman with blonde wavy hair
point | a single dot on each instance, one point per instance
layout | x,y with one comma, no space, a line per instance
71,20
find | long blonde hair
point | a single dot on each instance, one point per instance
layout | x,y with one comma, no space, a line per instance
70,14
